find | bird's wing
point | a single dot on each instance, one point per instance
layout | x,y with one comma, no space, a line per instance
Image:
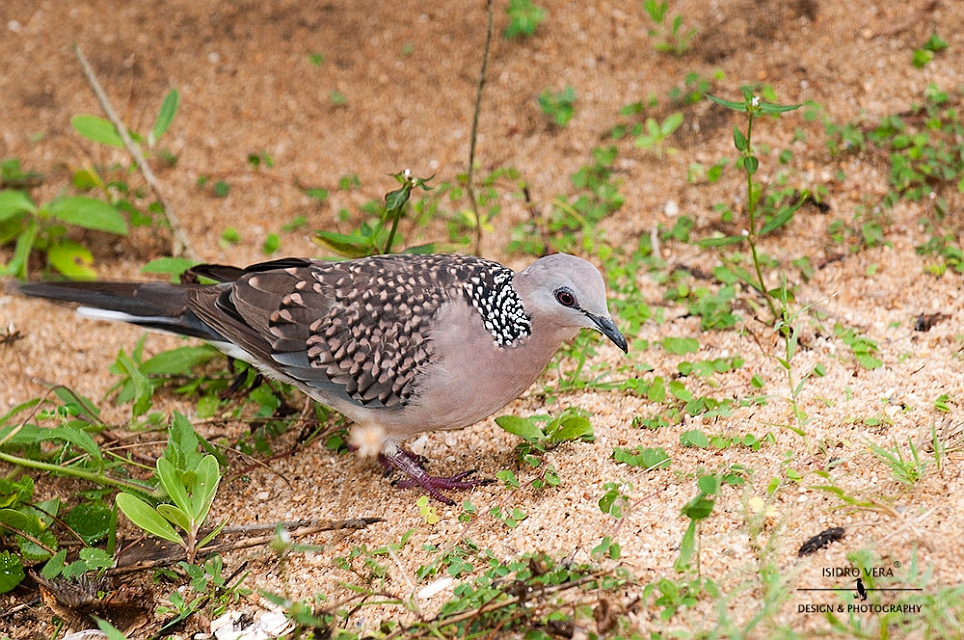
358,329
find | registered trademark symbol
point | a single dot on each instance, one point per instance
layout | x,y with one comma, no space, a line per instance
897,563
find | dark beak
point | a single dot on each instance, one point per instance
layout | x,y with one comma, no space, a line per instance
608,328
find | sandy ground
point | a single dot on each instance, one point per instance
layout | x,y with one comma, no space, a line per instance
407,72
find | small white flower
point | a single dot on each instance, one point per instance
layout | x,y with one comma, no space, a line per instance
745,233
755,101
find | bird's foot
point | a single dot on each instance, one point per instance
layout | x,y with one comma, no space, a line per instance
411,465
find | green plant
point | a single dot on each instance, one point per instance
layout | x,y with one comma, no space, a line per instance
560,105
656,133
670,38
750,163
541,433
906,471
380,236
923,56
864,349
191,482
524,18
44,228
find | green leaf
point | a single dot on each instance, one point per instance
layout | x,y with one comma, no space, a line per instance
729,104
769,107
751,164
168,265
14,202
524,428
72,259
95,558
694,438
175,516
178,361
739,140
351,246
650,458
33,552
112,632
671,124
25,243
783,217
90,521
89,213
54,566
11,571
182,443
395,200
687,548
29,434
571,427
97,129
680,346
143,389
173,484
707,243
143,516
205,488
166,114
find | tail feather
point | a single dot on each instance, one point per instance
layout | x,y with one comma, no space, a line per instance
158,306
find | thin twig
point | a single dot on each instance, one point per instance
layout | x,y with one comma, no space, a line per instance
180,245
224,547
469,188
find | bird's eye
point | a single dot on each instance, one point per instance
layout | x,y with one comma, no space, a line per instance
565,297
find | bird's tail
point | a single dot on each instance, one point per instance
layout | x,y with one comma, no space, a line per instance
155,305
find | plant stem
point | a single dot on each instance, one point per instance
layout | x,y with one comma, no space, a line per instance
751,211
97,478
469,188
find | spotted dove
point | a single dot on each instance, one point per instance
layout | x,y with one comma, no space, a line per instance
400,344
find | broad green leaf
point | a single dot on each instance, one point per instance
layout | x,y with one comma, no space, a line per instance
182,443
166,115
572,427
525,429
168,265
89,213
694,438
143,516
97,129
395,200
14,202
649,458
89,521
173,484
205,488
72,259
680,346
179,361
11,571
175,516
34,552
55,565
739,140
671,123
95,558
30,434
